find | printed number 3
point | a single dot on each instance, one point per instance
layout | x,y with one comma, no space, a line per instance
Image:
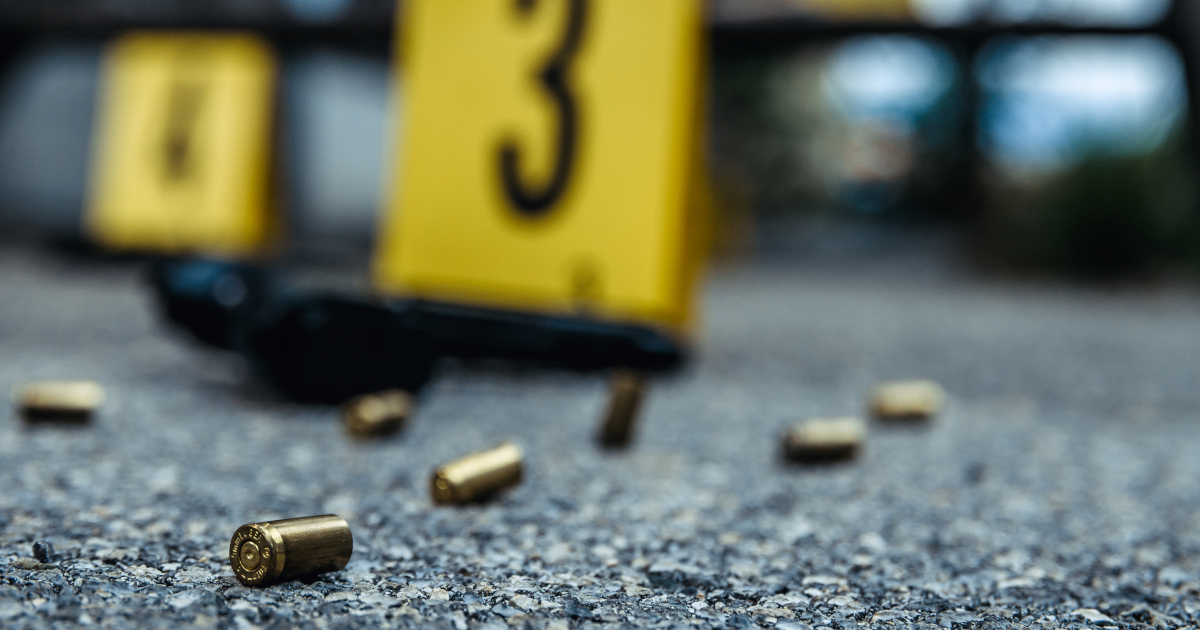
532,200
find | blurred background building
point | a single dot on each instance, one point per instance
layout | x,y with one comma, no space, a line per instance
1044,135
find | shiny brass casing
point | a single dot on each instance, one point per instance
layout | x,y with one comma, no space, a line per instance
477,475
275,551
626,390
906,400
59,400
377,414
824,439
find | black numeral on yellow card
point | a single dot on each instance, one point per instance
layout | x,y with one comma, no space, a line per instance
532,200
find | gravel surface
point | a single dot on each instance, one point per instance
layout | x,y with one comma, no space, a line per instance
1058,489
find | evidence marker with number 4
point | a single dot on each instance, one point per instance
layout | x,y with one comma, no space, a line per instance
377,414
182,160
823,439
477,475
906,400
626,390
59,400
276,551
576,186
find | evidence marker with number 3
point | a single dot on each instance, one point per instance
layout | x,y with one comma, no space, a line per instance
182,162
549,159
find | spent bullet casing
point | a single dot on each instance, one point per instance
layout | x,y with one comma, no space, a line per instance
824,439
377,414
67,400
906,400
626,391
275,551
477,475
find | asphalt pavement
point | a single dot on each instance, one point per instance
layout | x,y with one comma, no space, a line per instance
1058,489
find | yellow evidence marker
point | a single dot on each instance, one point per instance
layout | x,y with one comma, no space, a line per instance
182,151
548,158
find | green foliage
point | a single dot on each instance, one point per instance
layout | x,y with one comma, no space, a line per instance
1106,216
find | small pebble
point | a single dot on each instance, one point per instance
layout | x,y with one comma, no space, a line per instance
906,400
824,439
974,473
43,551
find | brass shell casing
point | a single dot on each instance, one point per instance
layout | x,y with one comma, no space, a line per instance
906,400
275,551
377,414
477,475
59,400
824,439
626,390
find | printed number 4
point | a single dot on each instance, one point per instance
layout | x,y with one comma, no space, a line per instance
532,200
